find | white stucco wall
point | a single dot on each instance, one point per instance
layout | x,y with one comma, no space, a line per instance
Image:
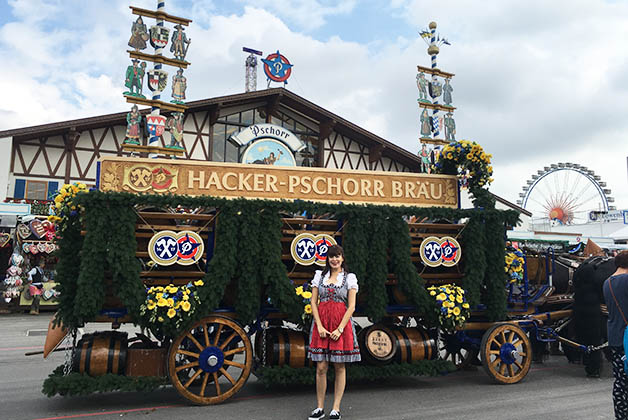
6,144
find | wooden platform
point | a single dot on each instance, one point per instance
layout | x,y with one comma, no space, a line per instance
436,72
159,59
440,107
167,106
152,149
160,15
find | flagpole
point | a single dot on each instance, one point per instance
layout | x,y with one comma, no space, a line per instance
433,51
155,110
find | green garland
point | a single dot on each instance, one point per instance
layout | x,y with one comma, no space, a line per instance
286,375
376,276
75,384
107,251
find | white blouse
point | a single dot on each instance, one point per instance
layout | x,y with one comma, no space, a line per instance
352,280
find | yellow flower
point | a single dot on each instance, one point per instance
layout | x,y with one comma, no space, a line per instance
186,297
198,283
307,295
299,290
171,313
432,293
441,297
456,311
170,302
465,305
162,302
451,297
58,205
158,295
160,319
459,299
185,305
151,305
308,309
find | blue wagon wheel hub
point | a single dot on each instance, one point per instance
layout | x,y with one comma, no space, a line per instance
211,359
508,353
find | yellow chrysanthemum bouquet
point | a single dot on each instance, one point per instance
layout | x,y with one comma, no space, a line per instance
468,160
451,306
306,295
167,309
64,207
514,266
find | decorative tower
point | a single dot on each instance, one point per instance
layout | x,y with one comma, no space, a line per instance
156,123
250,77
429,94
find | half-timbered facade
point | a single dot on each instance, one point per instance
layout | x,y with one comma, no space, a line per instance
39,159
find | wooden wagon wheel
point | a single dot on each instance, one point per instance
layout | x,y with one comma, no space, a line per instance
506,353
199,358
451,348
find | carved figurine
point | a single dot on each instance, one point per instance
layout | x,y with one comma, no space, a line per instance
421,84
135,78
175,125
179,84
426,124
447,89
133,122
139,35
424,154
180,43
450,127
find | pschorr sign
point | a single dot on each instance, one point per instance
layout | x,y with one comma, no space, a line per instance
260,131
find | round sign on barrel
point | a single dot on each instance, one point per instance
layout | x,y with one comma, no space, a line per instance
377,344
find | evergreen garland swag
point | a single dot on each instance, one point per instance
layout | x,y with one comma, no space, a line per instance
105,256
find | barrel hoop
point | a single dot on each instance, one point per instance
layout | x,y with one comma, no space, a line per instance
281,343
275,347
401,350
88,353
407,345
286,340
111,353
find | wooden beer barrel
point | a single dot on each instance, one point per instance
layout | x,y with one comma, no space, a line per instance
283,347
413,344
377,344
101,353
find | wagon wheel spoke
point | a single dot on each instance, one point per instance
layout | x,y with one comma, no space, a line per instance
204,384
218,392
224,343
496,342
218,331
495,362
522,354
196,375
515,342
493,351
195,341
188,353
519,365
502,369
186,366
511,371
234,351
206,334
511,336
502,335
226,375
236,364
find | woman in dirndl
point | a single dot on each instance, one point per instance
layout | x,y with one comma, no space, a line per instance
332,337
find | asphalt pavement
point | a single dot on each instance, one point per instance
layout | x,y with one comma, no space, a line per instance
552,390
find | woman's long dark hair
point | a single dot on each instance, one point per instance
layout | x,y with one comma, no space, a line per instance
334,251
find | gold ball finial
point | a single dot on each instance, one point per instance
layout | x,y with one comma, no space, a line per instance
432,25
433,50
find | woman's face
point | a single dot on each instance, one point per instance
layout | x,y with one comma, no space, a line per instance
336,261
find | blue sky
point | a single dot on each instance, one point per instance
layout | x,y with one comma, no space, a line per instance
536,82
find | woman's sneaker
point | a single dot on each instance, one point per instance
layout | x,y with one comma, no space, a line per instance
317,414
334,415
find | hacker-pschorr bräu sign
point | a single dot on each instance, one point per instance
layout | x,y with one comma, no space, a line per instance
268,144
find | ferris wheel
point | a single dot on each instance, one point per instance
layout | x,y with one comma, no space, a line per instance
565,193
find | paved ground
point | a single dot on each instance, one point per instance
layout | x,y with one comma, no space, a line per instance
554,390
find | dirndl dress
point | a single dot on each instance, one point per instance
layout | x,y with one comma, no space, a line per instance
331,308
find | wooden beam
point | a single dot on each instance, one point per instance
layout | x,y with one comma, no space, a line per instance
440,107
69,139
271,106
166,106
214,113
159,59
325,128
160,15
437,72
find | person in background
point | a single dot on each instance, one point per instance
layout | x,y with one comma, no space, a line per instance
616,297
36,279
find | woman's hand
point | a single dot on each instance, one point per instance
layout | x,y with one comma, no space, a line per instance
322,331
335,335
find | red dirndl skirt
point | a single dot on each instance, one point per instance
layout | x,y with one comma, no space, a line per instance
343,350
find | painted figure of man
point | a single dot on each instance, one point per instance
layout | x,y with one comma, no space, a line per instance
139,35
179,84
133,123
424,154
447,89
180,43
426,124
421,84
175,125
450,127
135,78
